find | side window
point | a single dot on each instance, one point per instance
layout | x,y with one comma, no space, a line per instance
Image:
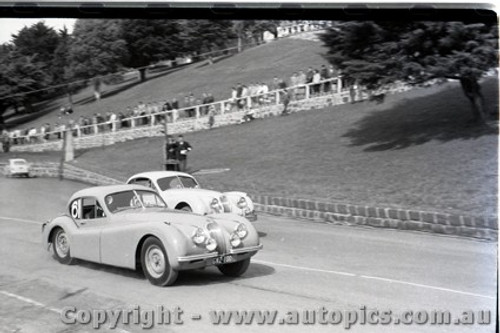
91,209
142,181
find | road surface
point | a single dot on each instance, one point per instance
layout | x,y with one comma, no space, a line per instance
304,266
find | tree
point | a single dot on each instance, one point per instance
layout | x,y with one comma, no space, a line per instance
201,36
96,49
149,41
37,40
377,53
20,74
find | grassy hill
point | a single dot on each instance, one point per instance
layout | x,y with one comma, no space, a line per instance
262,63
417,150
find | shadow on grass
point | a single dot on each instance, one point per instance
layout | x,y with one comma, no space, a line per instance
443,117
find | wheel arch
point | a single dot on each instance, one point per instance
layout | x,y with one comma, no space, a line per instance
169,246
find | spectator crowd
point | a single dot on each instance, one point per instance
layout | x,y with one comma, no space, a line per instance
301,84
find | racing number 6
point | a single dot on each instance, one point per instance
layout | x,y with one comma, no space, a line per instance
75,209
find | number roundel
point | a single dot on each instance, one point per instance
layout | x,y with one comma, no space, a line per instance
75,209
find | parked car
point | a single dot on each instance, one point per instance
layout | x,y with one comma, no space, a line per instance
131,226
18,167
182,191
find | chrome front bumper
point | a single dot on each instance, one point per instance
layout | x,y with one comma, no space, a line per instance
206,259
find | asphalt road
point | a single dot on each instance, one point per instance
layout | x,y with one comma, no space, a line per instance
304,266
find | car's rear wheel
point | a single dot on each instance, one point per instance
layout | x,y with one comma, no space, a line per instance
155,264
61,247
235,269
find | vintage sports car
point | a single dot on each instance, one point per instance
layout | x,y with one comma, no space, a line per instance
18,167
130,226
182,191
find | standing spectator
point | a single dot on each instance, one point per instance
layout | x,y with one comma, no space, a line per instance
175,104
187,106
172,162
286,97
205,100
332,73
5,140
281,84
166,106
239,100
112,121
192,103
211,116
42,133
233,100
353,91
309,75
121,119
47,131
315,87
210,98
183,147
294,79
244,94
32,135
101,120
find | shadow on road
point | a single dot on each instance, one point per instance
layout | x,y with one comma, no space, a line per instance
197,277
444,116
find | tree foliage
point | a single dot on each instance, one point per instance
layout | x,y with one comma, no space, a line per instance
200,36
97,48
149,41
376,53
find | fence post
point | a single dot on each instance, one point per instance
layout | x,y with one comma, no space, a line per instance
339,84
197,112
249,102
96,129
277,97
308,92
78,131
222,107
132,122
152,120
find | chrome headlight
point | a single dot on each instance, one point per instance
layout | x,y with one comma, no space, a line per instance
235,240
242,203
241,230
215,205
211,244
199,237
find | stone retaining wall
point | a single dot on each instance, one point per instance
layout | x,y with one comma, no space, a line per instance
53,170
483,227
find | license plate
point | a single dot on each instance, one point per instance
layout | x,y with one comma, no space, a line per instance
223,260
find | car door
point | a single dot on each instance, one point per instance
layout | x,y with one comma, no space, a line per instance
91,219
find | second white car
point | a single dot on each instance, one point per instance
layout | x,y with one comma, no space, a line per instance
182,191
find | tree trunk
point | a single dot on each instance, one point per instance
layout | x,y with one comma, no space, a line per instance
70,96
472,91
97,88
142,74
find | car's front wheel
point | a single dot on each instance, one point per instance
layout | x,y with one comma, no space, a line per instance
61,247
155,264
235,269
